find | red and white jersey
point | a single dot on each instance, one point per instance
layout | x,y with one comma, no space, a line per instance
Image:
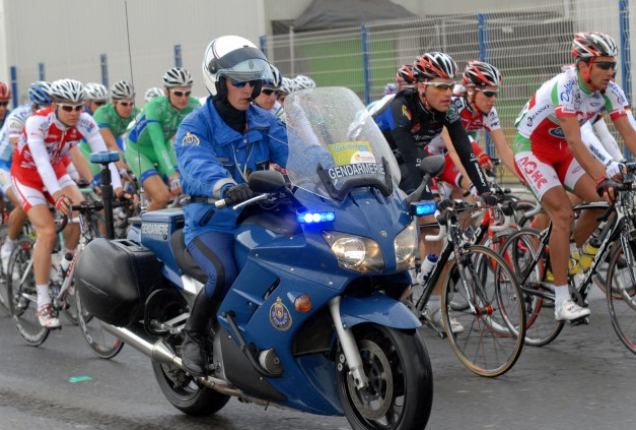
44,143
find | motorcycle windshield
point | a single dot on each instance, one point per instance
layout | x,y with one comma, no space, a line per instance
335,145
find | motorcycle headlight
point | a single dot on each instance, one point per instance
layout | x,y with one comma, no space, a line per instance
356,253
406,246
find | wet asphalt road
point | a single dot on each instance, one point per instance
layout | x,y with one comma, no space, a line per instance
584,380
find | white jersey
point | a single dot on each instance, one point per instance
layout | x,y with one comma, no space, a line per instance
12,128
566,95
278,111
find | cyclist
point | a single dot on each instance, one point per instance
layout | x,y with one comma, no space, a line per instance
112,119
404,78
267,98
476,108
149,150
39,176
550,154
286,88
217,148
153,92
40,97
5,97
412,120
96,96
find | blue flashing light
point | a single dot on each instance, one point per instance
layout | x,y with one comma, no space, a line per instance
316,217
425,208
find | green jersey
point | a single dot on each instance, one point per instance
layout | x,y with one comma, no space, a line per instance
152,132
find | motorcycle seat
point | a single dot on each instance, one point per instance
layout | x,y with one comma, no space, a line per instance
185,261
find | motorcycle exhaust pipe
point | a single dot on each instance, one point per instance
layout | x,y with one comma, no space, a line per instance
158,351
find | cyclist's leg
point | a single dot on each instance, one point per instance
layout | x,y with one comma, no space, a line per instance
585,189
72,231
17,217
144,168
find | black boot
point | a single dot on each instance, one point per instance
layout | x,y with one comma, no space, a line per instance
195,334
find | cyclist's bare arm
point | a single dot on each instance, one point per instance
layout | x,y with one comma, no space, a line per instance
504,151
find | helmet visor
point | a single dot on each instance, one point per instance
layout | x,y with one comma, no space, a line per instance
253,69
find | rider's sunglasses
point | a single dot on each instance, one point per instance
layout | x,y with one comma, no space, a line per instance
99,102
71,108
182,93
488,93
241,84
442,87
4,103
269,92
126,104
605,65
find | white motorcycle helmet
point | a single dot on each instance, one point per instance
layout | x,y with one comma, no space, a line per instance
236,58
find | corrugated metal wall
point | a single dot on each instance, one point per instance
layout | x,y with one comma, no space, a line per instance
69,36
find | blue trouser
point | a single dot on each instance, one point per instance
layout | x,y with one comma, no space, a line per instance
214,253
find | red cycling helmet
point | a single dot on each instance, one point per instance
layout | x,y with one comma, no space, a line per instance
5,91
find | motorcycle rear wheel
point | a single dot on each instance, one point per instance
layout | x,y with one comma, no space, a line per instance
399,395
185,393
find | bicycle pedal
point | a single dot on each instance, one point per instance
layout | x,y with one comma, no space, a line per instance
580,321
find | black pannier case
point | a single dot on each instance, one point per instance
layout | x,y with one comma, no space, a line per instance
114,278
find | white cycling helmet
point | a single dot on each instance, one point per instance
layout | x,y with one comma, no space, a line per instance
94,91
67,91
151,93
40,93
304,82
287,86
177,77
277,78
122,90
236,58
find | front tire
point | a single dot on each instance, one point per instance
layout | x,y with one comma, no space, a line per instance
400,391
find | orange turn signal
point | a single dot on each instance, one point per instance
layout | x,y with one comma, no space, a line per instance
303,303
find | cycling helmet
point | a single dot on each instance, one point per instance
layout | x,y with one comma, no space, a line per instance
94,91
122,90
67,91
40,93
593,44
236,58
177,77
287,86
151,93
435,65
5,91
566,67
390,89
480,74
277,78
406,75
304,82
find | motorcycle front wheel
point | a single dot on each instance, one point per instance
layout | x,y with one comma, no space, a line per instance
399,395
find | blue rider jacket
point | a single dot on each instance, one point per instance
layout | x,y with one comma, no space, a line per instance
212,157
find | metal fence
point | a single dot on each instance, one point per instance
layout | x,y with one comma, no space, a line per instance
529,45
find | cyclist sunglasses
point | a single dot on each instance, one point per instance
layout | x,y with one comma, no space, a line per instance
241,84
441,86
71,108
99,102
605,65
269,92
182,93
126,104
4,103
488,93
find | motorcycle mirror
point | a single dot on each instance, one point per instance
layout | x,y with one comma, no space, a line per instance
433,165
267,181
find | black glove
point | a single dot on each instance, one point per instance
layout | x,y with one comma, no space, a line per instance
489,200
603,184
238,194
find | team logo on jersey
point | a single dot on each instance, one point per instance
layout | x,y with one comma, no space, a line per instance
531,171
279,315
406,112
557,132
190,139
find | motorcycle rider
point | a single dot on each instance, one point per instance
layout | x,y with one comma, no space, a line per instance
217,148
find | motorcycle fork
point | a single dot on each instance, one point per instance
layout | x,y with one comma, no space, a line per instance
349,346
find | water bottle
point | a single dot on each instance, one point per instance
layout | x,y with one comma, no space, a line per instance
588,253
427,268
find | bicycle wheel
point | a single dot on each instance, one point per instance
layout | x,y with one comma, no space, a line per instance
70,312
521,252
103,344
4,301
23,295
494,322
621,296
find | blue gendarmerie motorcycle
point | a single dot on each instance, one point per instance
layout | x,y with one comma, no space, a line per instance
314,322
